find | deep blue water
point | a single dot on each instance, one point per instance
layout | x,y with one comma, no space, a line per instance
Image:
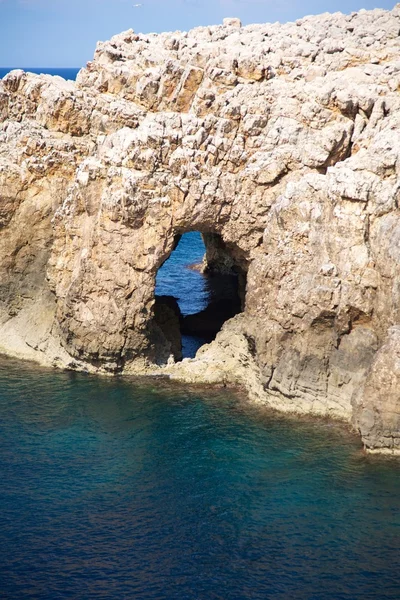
190,288
176,278
115,488
67,73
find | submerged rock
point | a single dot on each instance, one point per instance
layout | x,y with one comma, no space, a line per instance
281,139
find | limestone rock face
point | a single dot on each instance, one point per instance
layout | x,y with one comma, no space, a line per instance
377,403
283,140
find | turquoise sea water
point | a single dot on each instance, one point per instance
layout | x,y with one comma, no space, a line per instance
116,488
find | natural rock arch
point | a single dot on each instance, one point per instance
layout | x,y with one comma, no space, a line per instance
281,139
221,277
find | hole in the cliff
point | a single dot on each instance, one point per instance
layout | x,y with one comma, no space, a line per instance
200,286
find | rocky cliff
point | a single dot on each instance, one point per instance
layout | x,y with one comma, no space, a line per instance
282,142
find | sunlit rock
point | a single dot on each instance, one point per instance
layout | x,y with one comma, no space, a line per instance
283,140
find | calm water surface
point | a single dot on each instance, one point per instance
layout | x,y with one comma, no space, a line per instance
177,278
112,488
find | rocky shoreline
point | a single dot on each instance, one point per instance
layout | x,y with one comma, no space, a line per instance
280,144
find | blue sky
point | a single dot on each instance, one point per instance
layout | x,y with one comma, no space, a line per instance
63,33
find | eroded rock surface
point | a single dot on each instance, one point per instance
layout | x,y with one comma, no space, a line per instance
282,139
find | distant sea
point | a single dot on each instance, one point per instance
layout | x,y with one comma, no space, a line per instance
188,286
66,73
